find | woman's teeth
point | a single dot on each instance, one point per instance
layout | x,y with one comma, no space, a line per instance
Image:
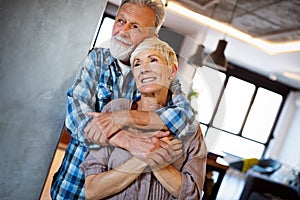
146,80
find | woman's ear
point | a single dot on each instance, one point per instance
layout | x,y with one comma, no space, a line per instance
173,71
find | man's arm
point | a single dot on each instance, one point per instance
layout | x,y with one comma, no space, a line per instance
86,94
81,97
104,125
178,116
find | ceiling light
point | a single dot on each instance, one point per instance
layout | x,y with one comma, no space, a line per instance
292,75
198,58
217,58
271,48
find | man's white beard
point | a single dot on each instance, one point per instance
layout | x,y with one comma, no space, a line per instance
120,52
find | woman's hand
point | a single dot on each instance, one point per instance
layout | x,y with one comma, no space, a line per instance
166,155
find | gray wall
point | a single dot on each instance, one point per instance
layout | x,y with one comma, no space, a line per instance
42,43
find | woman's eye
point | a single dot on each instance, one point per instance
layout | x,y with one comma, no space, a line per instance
136,65
154,60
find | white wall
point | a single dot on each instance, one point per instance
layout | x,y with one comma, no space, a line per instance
286,147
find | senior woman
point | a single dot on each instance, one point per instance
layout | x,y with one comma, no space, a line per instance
114,173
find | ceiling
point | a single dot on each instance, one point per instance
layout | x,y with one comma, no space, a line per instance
270,20
270,26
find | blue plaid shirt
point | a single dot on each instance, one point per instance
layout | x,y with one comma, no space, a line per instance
97,83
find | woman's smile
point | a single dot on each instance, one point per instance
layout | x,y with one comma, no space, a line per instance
147,80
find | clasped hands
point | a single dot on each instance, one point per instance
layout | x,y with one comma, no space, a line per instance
156,148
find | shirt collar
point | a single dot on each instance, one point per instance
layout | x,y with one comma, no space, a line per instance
113,62
124,68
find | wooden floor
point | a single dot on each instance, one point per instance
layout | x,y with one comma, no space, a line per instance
58,157
57,160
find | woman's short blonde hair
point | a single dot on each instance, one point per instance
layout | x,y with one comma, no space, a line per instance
154,43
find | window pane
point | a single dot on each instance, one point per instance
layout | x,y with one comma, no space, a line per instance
203,129
234,105
208,83
262,115
217,140
104,35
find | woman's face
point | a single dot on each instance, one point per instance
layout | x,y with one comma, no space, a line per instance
151,72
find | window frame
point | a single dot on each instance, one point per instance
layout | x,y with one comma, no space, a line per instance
258,81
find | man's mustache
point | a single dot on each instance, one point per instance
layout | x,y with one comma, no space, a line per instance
120,38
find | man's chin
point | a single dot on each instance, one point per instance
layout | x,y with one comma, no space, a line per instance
121,55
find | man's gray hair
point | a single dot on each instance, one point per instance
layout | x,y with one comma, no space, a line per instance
156,5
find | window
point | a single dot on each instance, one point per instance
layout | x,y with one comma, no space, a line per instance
104,34
234,104
237,110
208,83
262,115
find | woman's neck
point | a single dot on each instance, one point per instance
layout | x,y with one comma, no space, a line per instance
151,102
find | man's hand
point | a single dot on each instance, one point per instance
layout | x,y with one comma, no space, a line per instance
101,128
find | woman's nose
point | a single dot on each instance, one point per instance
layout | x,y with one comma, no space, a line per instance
145,68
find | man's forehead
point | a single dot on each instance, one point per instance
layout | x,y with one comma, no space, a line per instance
139,14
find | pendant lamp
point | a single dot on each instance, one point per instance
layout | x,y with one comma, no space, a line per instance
198,57
217,59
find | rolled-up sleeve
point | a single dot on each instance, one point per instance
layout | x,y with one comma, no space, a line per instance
96,161
178,115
